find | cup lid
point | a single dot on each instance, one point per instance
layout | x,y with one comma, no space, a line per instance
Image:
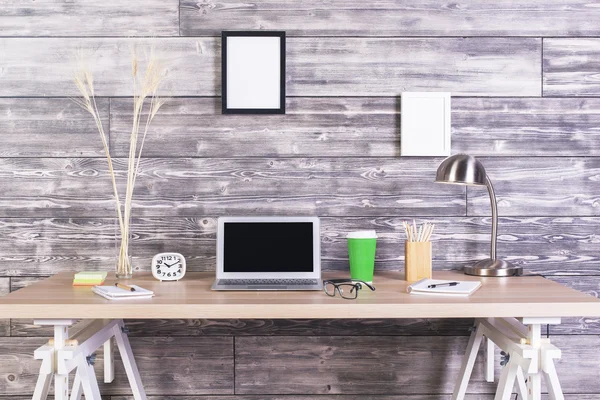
362,235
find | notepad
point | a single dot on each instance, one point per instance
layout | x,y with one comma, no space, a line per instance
116,293
89,278
464,288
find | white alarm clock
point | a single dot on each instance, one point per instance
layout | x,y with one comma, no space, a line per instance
168,266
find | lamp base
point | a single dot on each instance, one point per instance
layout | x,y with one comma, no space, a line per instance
491,267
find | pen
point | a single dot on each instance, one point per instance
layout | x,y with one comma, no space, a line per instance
119,285
442,284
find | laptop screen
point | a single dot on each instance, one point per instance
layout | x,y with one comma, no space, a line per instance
268,247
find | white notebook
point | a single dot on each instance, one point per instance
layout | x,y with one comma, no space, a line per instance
115,293
463,288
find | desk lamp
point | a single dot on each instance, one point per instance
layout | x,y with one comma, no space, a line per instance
463,169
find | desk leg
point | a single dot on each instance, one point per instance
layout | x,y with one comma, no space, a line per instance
46,354
64,355
531,356
77,389
88,379
61,381
135,381
109,362
468,363
489,360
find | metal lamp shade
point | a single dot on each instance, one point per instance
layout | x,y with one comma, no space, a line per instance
463,169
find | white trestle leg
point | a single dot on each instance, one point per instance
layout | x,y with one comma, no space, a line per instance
528,355
64,354
468,362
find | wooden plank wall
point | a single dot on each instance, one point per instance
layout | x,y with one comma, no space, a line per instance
526,99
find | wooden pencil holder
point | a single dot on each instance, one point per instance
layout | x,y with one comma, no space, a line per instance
417,261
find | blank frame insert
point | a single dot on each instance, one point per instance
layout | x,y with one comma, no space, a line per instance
425,124
253,72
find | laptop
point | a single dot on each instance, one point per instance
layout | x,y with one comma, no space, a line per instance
268,253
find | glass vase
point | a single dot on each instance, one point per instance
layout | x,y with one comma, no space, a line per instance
124,264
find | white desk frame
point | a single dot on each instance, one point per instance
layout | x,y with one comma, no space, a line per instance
529,354
65,354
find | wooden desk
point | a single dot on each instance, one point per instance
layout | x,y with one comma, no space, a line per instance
507,311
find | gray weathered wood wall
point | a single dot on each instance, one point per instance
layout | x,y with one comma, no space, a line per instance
524,75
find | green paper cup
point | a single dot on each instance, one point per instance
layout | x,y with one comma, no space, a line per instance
361,255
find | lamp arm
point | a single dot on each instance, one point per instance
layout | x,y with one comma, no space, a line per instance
490,188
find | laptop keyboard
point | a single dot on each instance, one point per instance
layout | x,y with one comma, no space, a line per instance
244,282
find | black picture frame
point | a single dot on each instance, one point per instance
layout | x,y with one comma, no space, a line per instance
225,35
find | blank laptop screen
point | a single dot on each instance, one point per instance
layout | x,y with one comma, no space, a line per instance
268,247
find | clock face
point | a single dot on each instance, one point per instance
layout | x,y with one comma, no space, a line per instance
168,266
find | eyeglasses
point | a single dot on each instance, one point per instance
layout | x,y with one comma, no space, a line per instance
347,288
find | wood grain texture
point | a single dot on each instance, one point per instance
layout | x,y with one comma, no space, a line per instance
315,66
89,18
393,18
278,327
545,127
49,245
579,325
387,67
192,297
546,245
342,127
167,365
322,361
43,66
219,186
319,327
57,186
569,67
540,244
50,128
539,186
378,365
327,127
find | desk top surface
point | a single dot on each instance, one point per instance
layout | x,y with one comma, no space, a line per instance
55,298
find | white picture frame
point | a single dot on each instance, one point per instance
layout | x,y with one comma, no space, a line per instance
253,72
425,124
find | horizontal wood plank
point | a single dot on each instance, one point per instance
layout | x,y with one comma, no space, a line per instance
278,327
380,365
168,366
32,127
570,67
192,187
316,66
393,18
546,245
50,245
387,67
39,67
327,127
544,127
342,127
192,298
540,186
89,18
540,244
580,325
323,327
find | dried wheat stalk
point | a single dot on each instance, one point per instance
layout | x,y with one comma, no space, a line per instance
145,98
